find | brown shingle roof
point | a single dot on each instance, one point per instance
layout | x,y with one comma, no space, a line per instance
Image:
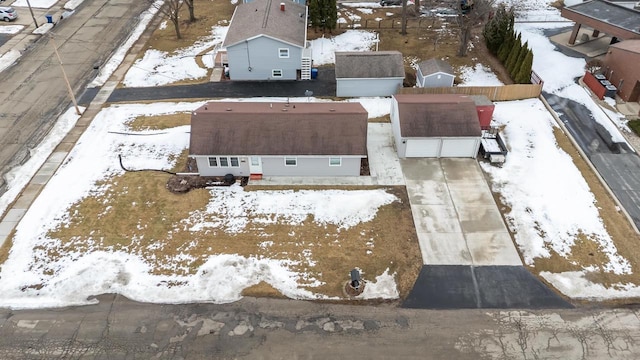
426,115
433,66
264,17
263,128
369,64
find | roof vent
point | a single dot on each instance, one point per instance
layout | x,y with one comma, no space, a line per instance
285,109
281,6
228,109
332,109
206,108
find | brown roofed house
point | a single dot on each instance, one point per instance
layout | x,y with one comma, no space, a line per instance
279,139
428,125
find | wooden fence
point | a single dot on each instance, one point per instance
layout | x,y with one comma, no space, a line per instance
494,93
386,24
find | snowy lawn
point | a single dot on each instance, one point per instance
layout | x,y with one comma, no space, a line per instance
111,231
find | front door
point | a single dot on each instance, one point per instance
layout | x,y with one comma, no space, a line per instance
255,165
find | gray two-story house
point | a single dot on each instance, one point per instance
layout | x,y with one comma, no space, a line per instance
266,40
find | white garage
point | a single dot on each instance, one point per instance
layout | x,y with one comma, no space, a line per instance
435,126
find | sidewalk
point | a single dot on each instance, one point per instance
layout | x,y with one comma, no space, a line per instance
16,211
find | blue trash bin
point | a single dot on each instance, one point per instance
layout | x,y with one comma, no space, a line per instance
314,73
49,18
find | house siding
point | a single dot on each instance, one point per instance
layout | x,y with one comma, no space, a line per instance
432,80
310,166
368,87
205,170
274,166
262,56
395,126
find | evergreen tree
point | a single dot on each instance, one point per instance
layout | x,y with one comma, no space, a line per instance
323,14
498,29
524,77
515,70
505,48
513,54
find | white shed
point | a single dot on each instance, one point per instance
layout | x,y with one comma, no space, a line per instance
434,73
436,126
369,73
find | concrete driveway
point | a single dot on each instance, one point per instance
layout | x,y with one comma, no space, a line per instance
456,218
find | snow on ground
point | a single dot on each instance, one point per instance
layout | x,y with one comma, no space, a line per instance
576,285
19,177
7,59
10,29
351,40
112,64
72,4
559,73
367,5
158,68
478,75
30,279
42,4
550,201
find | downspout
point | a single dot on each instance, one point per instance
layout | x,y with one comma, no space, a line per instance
246,42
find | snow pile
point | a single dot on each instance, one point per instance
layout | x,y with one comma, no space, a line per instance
550,201
352,40
478,75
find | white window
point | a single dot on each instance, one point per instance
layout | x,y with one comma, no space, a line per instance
213,162
234,162
335,161
224,162
283,53
290,161
276,73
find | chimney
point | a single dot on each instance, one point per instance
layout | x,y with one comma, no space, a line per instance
281,6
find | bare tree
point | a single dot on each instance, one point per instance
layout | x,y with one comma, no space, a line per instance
190,6
404,18
170,9
471,13
594,66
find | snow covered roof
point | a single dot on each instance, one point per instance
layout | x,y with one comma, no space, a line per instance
266,17
426,115
369,64
262,128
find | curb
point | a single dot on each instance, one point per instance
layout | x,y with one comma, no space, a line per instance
588,161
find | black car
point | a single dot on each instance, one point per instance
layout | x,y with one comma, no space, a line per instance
390,2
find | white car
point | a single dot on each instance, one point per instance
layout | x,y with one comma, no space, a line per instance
8,13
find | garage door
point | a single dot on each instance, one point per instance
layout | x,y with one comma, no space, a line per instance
422,148
459,147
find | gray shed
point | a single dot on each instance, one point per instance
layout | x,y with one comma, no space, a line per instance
278,139
369,73
436,126
266,40
434,73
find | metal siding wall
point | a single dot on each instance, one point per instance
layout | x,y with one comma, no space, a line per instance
419,78
310,167
459,147
423,147
264,58
367,87
395,126
205,170
433,81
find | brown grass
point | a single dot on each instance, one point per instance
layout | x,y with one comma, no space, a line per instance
135,213
159,122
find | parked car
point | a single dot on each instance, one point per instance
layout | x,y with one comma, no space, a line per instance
8,13
390,2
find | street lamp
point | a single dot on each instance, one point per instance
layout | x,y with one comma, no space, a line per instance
32,16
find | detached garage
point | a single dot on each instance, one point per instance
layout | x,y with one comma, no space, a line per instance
369,73
435,126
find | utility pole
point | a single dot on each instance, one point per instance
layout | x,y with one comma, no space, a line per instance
32,16
66,80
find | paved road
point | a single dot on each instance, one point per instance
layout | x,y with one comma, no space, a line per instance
33,93
324,85
117,328
618,165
